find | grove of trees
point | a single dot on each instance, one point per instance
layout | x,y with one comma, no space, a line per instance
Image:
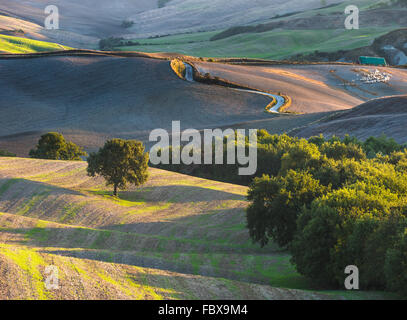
331,202
334,203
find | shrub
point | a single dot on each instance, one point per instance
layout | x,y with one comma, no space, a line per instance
162,3
179,68
4,153
110,43
127,24
382,144
317,140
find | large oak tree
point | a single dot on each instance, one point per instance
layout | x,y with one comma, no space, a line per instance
120,162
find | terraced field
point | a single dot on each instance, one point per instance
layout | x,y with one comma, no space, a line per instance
175,237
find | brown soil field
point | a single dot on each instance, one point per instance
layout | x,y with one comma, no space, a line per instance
313,88
380,116
91,98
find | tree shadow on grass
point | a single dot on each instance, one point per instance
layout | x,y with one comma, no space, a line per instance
184,255
10,184
170,193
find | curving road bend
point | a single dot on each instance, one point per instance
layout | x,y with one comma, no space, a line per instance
189,76
280,100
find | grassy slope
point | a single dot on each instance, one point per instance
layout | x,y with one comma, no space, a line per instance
276,44
268,45
188,230
10,44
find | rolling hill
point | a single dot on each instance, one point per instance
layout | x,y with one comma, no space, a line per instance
11,44
379,116
186,16
176,16
92,18
263,29
276,33
175,237
26,30
93,97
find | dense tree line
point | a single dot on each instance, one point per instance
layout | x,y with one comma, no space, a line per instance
271,149
335,203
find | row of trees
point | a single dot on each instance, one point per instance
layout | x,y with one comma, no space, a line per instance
335,203
119,162
271,149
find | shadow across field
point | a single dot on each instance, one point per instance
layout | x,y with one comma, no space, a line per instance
194,256
26,184
171,194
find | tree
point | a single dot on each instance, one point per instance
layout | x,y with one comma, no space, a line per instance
53,145
339,150
276,203
396,266
120,162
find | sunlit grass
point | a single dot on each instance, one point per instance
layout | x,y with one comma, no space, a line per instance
10,44
275,44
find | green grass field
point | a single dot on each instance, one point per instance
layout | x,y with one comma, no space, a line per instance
10,44
276,44
268,45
